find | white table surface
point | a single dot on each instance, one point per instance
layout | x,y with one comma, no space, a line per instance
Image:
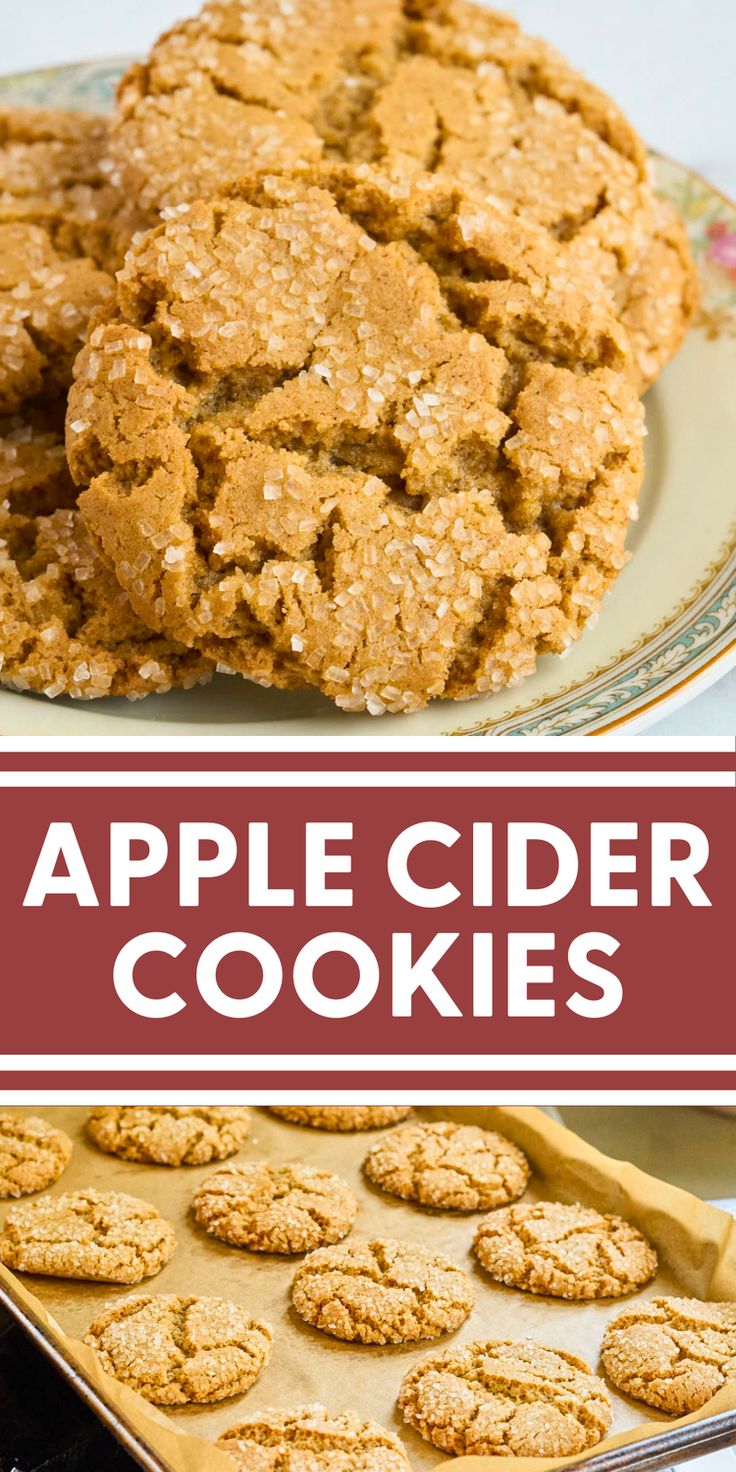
670,63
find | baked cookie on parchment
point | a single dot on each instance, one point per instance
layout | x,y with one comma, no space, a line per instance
311,1439
275,1208
672,1353
342,1116
495,1398
103,1236
171,1134
564,1251
179,1351
381,1292
33,1154
456,1167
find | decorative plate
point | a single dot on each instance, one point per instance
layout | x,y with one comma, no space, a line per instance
668,628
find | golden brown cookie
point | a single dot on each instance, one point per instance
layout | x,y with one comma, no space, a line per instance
301,462
103,1236
495,1398
33,1154
381,1292
342,1116
564,1251
456,1167
67,627
54,173
179,1351
34,475
439,88
275,1208
169,1135
311,1439
46,301
672,1353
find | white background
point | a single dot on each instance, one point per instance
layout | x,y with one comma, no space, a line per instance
670,63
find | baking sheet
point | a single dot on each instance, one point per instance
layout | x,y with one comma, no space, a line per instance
696,1243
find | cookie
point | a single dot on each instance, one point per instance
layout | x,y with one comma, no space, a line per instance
672,1353
438,88
564,1251
33,1154
46,302
455,1167
311,1439
179,1351
342,1116
54,173
34,475
103,1236
174,1135
381,1292
495,1398
303,463
275,1208
67,627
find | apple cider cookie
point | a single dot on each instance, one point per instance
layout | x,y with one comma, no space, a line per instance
103,1236
34,475
179,1351
33,1154
672,1353
311,1439
54,212
432,89
496,1398
564,1251
456,1167
171,1134
67,627
311,458
54,173
342,1116
275,1208
381,1292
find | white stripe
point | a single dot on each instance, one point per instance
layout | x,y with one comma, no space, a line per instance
419,1097
369,1062
343,778
373,745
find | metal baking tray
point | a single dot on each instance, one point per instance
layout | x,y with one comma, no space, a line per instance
666,1447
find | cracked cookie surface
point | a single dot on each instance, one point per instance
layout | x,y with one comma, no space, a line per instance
564,1251
34,475
443,88
169,1135
276,1208
326,460
381,1292
33,1154
498,1398
179,1351
53,173
341,1116
67,627
102,1236
672,1353
54,207
453,1166
311,1439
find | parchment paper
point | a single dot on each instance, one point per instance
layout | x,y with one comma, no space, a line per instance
696,1244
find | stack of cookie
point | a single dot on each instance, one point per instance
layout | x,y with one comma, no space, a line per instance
360,409
485,1397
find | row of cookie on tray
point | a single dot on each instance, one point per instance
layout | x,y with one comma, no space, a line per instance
485,1397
